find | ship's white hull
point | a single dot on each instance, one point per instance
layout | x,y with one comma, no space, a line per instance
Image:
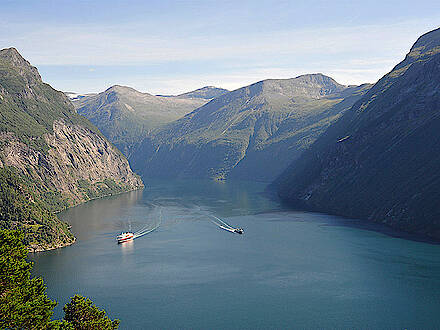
125,237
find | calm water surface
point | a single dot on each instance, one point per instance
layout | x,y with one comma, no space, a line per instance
289,270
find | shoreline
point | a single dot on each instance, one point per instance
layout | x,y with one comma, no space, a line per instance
60,246
365,224
369,225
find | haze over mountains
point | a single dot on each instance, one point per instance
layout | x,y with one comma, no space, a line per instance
251,133
125,116
381,160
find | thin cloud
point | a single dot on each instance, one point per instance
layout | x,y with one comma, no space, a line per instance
350,54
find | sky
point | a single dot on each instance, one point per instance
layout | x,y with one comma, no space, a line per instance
170,47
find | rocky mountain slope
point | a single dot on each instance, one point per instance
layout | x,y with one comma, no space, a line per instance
125,115
253,132
381,160
51,152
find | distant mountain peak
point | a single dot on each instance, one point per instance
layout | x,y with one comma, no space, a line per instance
315,85
120,88
318,78
207,92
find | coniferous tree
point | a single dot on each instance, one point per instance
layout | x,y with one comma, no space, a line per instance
23,300
83,315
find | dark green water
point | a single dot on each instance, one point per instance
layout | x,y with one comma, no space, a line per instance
289,270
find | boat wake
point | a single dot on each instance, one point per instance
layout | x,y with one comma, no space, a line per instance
225,226
148,228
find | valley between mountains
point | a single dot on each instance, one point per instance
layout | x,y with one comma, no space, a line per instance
367,151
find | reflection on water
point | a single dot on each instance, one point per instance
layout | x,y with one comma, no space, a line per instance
289,269
92,216
127,247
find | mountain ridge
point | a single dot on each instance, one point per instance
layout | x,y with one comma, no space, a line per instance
214,138
125,115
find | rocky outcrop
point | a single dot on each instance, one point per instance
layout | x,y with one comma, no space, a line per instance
79,164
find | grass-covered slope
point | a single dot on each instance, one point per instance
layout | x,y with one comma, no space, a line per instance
251,133
51,152
381,160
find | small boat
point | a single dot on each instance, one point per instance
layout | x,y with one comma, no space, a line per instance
124,237
239,231
233,230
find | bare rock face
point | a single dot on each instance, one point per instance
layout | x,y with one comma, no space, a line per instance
80,164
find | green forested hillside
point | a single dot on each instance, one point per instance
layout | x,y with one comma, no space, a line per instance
381,160
22,209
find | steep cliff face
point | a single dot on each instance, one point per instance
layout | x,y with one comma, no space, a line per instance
55,154
79,164
251,133
381,160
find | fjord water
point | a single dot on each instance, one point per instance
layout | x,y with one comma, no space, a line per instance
290,269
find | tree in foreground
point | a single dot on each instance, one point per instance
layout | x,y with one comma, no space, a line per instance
23,300
82,314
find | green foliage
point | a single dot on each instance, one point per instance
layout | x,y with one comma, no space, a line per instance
82,314
108,187
23,301
60,325
21,209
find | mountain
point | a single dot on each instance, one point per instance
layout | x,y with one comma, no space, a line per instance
50,157
125,115
207,92
381,160
252,133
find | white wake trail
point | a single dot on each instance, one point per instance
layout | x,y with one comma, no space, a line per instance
223,224
147,228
